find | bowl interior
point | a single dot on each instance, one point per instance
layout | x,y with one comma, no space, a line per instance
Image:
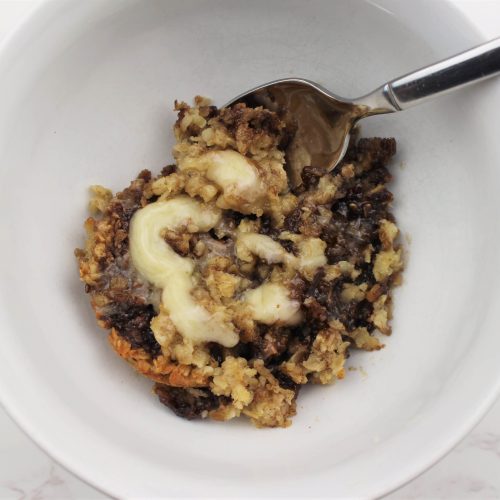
89,90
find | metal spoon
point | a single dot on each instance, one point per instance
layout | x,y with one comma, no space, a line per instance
322,121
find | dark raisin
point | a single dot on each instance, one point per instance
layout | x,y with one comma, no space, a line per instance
209,111
272,342
303,335
234,216
382,197
132,322
187,403
169,169
364,310
284,380
347,239
377,176
378,150
266,225
366,275
244,350
213,234
288,245
311,176
383,150
145,175
216,352
293,220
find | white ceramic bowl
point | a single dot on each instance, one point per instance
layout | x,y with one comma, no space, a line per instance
87,90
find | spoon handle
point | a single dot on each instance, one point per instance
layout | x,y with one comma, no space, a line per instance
465,68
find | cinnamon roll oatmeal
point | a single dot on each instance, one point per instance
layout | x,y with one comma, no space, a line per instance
228,288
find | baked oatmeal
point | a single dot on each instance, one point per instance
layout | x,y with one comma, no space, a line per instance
227,287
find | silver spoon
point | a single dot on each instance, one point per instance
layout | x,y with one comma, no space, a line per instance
322,121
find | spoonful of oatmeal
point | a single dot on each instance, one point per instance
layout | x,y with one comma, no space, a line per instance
322,121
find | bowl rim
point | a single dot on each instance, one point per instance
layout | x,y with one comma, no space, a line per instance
12,44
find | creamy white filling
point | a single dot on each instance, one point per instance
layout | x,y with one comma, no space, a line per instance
311,254
236,175
270,303
311,251
263,246
158,263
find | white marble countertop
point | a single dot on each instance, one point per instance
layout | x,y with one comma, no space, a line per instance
470,471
